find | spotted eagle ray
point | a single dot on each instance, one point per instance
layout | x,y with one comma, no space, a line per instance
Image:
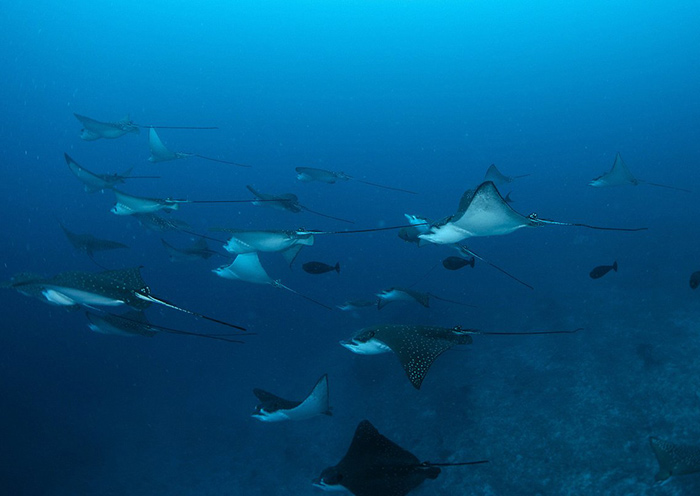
420,225
406,294
131,204
484,212
89,244
289,243
109,288
160,224
674,459
247,267
376,466
197,251
135,323
620,175
98,182
413,233
94,130
160,153
309,174
288,202
355,304
417,346
30,284
495,176
272,408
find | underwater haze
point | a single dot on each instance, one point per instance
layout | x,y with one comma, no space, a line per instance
420,96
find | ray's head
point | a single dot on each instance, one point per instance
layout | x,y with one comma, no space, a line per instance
330,480
364,342
121,209
384,293
261,414
222,271
598,182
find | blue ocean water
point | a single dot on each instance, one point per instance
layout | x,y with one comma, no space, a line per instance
421,95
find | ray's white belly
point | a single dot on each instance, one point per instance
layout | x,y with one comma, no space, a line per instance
277,416
70,297
371,347
445,235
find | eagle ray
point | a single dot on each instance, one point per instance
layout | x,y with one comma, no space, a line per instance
376,466
406,294
288,243
674,459
89,244
127,204
308,174
418,346
484,212
496,177
272,408
160,153
288,202
135,323
108,288
197,251
247,267
97,182
620,175
94,129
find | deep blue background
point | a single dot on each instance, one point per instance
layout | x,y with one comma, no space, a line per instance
422,95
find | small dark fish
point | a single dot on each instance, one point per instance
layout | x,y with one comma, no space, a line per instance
320,267
695,280
456,263
601,270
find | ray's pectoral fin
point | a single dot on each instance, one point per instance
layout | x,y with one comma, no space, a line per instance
417,347
674,459
317,400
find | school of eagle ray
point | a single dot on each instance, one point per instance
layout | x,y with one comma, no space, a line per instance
115,300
